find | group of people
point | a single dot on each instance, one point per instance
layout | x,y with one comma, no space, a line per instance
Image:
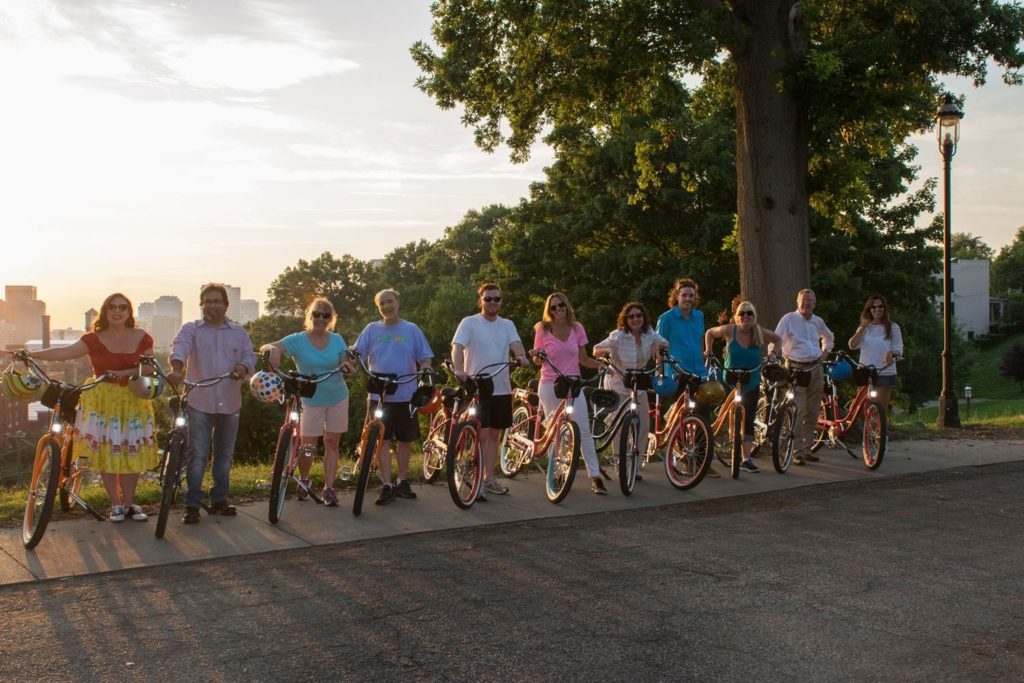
116,429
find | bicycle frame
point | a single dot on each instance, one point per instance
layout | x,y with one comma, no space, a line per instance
442,425
733,413
833,424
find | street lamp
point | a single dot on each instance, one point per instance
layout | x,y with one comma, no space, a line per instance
968,392
947,130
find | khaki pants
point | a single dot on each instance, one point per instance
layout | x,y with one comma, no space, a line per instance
808,405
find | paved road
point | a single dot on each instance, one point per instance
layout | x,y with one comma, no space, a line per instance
913,577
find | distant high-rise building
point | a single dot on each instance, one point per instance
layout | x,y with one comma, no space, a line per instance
162,319
91,316
248,310
23,311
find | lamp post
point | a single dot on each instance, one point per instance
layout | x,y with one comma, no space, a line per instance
968,392
948,134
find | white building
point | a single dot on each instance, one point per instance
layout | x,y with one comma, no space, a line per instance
971,303
248,310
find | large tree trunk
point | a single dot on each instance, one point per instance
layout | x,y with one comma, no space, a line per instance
771,161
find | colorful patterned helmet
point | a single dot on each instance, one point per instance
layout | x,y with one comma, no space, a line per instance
711,393
267,387
146,386
22,386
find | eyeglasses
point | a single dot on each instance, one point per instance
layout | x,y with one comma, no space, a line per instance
492,299
117,307
880,306
635,315
321,315
556,306
746,314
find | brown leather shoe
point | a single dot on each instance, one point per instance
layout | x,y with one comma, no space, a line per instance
191,516
810,457
223,507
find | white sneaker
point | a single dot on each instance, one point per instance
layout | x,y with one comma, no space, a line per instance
493,486
117,514
135,513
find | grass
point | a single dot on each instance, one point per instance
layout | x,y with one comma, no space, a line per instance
987,418
246,486
984,377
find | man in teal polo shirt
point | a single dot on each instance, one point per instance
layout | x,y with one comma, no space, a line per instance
682,326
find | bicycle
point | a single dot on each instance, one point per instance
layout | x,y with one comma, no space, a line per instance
295,386
623,423
176,455
832,425
684,434
439,432
775,420
732,413
372,438
56,470
557,435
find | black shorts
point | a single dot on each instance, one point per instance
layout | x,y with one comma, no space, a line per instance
398,423
495,412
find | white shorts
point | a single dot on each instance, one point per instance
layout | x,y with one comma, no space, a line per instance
315,418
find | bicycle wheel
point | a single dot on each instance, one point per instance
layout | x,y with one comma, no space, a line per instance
563,457
42,492
876,434
762,425
170,478
465,473
368,452
689,452
629,454
736,438
821,430
511,459
69,472
279,480
434,447
784,438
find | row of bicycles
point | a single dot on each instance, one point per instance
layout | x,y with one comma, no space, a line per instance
679,432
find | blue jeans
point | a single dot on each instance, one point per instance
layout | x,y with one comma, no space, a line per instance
223,427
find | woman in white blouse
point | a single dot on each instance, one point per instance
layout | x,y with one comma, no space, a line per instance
629,347
880,342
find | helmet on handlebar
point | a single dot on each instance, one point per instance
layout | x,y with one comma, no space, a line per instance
710,393
267,387
665,385
146,386
839,371
22,386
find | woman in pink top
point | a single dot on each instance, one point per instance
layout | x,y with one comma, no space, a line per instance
565,343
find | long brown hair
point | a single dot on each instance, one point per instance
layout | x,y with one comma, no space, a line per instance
546,319
865,314
103,323
623,323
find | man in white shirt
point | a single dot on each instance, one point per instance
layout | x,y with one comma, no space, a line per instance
482,340
806,342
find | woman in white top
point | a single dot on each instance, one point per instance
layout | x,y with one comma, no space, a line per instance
629,347
880,342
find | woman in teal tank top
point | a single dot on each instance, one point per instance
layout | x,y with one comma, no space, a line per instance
744,348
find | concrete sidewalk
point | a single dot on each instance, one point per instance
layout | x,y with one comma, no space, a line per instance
83,546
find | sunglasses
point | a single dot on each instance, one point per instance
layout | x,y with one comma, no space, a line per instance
117,307
492,299
880,306
746,314
556,306
635,315
212,302
321,315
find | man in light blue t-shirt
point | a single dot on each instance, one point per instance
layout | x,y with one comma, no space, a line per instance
397,346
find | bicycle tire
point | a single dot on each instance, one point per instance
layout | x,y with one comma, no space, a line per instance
511,464
784,438
762,425
563,458
465,472
737,441
433,452
68,469
39,502
821,429
278,481
170,479
366,456
876,434
689,452
629,455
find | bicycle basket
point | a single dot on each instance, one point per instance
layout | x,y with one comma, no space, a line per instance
839,371
666,385
382,384
863,374
480,384
641,381
734,376
604,399
566,385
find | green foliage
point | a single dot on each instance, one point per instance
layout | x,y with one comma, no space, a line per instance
347,282
964,245
1012,365
984,377
1008,267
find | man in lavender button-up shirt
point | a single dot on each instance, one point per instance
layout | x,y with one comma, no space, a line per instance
210,347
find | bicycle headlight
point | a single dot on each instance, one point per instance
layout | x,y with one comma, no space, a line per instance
179,421
737,398
874,394
472,411
57,428
632,405
568,409
790,395
691,405
378,413
293,416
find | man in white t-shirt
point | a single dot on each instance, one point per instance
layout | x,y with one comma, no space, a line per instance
481,340
806,342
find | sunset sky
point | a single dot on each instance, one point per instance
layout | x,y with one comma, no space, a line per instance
150,146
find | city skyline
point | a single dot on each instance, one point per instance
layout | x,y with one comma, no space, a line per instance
150,147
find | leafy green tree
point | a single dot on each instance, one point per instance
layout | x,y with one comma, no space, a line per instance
1012,365
850,79
347,282
964,245
1008,266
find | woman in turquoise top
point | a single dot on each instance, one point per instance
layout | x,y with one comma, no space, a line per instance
317,351
745,346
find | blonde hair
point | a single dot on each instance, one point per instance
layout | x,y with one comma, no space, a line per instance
312,306
378,295
546,319
747,306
